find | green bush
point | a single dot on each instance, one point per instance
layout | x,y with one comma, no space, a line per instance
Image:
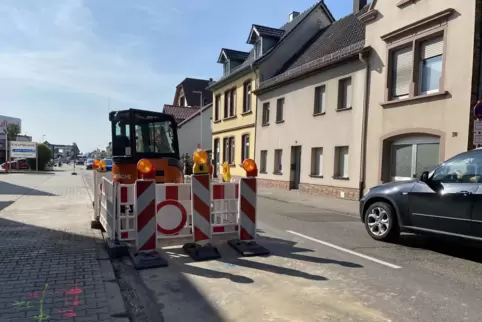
44,156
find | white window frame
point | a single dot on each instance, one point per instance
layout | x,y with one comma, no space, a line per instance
278,161
317,159
263,157
414,142
420,64
321,99
338,171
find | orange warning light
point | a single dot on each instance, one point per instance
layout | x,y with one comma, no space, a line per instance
250,167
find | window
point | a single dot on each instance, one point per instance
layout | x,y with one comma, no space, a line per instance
411,156
402,72
317,162
257,49
230,103
344,93
466,168
280,103
231,152
264,159
245,147
319,100
228,151
226,68
265,120
431,65
341,162
217,108
182,101
247,97
155,137
278,160
416,69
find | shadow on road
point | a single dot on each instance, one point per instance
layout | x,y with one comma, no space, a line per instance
454,247
279,248
7,188
34,257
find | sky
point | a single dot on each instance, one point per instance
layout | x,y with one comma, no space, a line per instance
64,64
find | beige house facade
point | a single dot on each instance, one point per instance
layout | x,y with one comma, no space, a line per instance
424,79
310,116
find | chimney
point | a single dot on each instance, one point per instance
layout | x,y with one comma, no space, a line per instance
358,5
293,15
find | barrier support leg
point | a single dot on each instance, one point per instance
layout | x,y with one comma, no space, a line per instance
146,254
201,249
246,244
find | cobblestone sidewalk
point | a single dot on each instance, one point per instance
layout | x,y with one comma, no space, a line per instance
49,257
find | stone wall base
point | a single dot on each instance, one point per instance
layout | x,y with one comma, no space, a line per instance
314,189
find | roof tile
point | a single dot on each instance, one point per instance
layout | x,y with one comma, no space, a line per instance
180,113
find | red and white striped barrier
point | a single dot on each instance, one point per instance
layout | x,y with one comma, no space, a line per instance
201,208
145,209
146,255
247,209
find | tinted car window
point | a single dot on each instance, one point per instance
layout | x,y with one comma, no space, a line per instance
465,168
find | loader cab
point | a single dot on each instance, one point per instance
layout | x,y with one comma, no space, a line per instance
138,134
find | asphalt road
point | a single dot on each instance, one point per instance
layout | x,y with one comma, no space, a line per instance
324,267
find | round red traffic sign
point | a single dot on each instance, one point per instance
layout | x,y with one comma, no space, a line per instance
176,229
478,110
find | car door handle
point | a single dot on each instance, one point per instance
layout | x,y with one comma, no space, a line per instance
464,192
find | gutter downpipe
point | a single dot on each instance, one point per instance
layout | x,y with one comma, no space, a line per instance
256,113
361,186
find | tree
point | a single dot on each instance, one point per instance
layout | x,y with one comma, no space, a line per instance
75,151
44,156
11,131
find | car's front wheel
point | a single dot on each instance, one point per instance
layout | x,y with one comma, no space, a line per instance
381,222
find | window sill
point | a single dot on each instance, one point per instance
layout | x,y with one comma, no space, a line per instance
247,113
277,173
263,172
278,122
229,118
217,121
438,95
343,109
319,114
341,178
316,176
232,165
404,3
265,124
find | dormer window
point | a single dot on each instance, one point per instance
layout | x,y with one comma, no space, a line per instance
182,101
258,48
231,59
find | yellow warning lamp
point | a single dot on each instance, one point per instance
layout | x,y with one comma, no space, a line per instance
146,169
200,159
250,167
101,166
226,172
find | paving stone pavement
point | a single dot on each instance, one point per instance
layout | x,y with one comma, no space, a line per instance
49,257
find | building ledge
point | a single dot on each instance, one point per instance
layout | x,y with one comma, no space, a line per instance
438,95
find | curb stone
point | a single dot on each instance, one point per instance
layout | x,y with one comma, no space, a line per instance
117,306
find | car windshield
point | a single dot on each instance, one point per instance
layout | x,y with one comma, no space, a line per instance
90,160
108,161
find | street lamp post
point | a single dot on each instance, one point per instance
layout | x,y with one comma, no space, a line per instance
200,114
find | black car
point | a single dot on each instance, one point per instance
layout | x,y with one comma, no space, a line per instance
446,201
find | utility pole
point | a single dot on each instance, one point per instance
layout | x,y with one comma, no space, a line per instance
200,114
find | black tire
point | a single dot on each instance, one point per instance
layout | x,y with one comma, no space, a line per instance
393,231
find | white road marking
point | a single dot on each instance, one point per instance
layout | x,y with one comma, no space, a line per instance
345,250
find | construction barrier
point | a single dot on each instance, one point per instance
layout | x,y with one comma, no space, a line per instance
154,215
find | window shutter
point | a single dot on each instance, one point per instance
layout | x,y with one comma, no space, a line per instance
432,48
402,71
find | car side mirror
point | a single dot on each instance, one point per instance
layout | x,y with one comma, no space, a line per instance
424,176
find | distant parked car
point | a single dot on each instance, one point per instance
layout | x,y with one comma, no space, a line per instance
19,164
89,164
108,164
79,162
